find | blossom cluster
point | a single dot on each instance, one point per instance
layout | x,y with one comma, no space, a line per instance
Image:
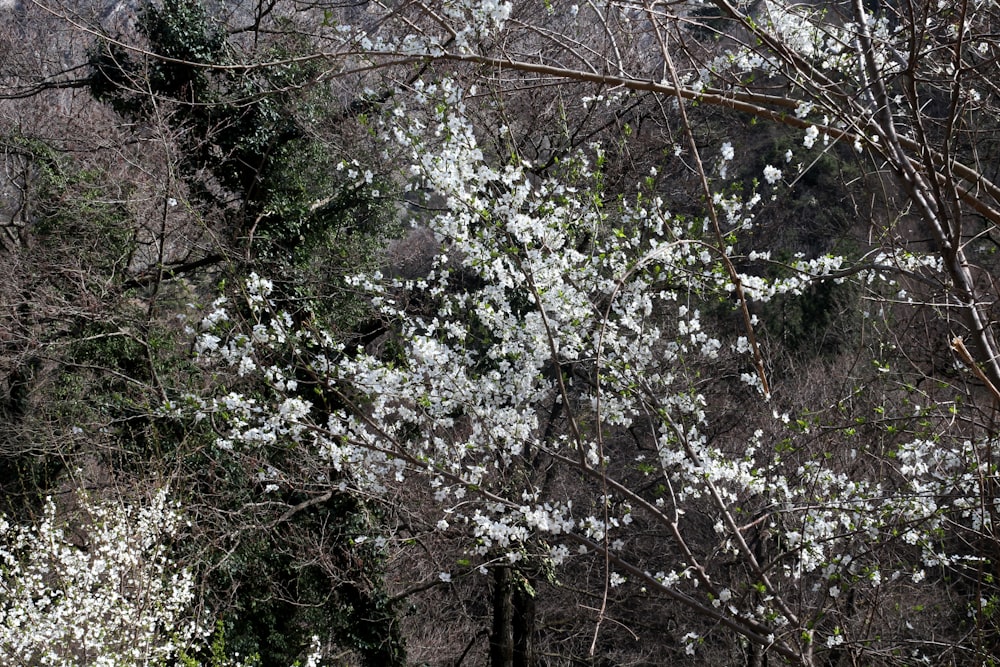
103,591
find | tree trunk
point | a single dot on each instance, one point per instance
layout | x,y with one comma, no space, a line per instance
511,638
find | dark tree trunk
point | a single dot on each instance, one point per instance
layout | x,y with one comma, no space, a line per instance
523,599
511,638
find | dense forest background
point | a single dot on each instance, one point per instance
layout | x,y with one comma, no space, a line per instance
528,333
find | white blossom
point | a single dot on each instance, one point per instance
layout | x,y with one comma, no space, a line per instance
119,601
812,132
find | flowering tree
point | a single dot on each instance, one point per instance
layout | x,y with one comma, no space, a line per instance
546,380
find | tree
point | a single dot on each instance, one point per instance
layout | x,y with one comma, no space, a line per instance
260,164
541,381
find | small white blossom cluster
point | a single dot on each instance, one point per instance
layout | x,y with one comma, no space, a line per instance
812,132
115,600
812,36
727,156
807,273
902,261
611,99
479,18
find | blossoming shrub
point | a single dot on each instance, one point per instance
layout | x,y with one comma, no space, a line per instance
99,589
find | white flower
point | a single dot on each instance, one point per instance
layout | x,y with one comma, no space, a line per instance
445,577
772,174
690,639
207,343
812,133
559,553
